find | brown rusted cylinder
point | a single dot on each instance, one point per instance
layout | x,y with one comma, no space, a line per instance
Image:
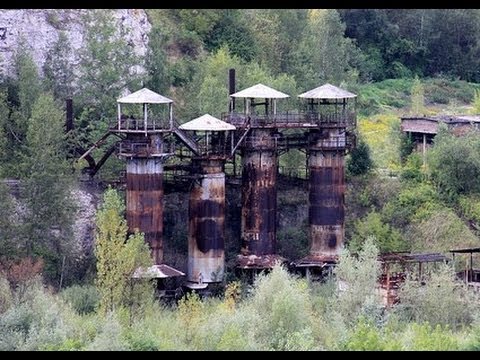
327,194
206,228
145,202
259,194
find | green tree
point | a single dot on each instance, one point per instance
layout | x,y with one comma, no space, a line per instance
386,238
360,162
4,118
454,163
417,97
29,85
476,103
325,54
118,258
58,72
8,228
47,191
232,30
108,65
156,62
23,91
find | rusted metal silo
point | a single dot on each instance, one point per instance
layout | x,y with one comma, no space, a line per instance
206,228
259,174
145,151
328,107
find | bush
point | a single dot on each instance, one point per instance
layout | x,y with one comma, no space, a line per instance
83,299
357,282
110,336
386,238
281,307
440,300
360,162
441,230
40,321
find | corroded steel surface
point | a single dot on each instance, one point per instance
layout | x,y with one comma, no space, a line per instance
258,262
259,195
327,201
206,229
145,202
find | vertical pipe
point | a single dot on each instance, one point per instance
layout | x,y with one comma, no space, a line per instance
145,202
145,118
326,194
206,227
259,194
119,111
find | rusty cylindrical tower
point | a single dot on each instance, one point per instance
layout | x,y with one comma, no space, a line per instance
145,151
206,225
259,194
327,106
259,175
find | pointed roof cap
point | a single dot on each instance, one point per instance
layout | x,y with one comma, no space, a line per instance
144,96
207,123
327,91
260,91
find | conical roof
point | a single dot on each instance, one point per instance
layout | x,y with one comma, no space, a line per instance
144,96
260,91
327,91
207,122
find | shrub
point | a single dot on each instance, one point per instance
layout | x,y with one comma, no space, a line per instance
281,307
386,237
441,300
83,299
357,281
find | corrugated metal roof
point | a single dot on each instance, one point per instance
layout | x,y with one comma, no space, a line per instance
144,96
207,123
327,91
161,271
260,91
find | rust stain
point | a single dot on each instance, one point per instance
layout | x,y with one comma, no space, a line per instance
145,203
206,239
259,196
326,199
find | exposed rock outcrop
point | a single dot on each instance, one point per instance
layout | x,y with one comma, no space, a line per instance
41,28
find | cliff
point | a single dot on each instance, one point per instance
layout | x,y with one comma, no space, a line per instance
40,29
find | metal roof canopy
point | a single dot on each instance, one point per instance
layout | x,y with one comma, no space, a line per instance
327,91
207,122
408,257
466,250
260,91
446,118
144,96
161,271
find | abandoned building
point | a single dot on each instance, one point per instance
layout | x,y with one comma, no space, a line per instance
422,129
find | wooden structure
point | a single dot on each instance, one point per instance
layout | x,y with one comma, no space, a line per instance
395,267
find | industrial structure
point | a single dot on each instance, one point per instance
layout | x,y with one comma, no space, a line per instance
259,129
422,129
143,145
206,226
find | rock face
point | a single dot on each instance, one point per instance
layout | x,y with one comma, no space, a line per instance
40,28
